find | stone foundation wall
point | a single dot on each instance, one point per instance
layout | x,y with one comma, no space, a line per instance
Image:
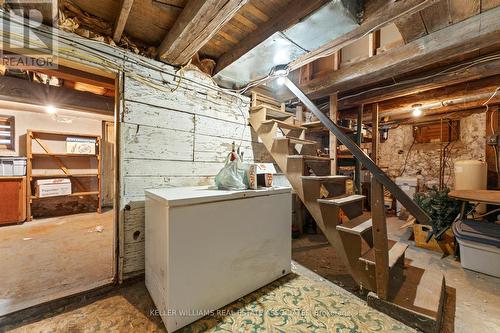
424,158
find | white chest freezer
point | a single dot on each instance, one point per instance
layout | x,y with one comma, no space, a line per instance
206,248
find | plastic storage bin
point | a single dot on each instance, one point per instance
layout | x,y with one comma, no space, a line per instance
409,185
12,166
479,246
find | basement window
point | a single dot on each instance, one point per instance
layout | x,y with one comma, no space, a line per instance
7,132
437,132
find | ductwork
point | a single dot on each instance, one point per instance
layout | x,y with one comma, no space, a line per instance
334,19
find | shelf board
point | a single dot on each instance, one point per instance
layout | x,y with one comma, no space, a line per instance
63,155
319,125
76,194
64,134
61,175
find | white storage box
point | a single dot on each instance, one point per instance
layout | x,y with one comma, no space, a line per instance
52,187
85,146
479,246
12,166
409,185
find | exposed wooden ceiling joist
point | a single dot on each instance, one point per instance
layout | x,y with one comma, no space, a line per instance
426,81
297,10
198,22
383,15
24,91
74,75
463,90
121,19
473,34
411,27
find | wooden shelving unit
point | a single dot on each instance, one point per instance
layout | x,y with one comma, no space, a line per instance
60,159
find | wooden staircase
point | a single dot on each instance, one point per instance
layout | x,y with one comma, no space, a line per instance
351,233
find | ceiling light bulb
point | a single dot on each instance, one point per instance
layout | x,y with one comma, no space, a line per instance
417,112
281,80
50,109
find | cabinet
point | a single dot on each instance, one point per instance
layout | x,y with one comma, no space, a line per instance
13,203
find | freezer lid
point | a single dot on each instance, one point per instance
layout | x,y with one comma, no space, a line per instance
183,196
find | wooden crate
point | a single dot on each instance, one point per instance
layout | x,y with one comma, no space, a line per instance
446,245
13,203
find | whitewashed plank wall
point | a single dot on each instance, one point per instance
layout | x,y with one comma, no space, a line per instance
168,136
178,138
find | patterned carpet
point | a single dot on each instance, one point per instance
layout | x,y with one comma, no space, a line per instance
299,302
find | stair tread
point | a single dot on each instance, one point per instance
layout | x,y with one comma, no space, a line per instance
422,291
283,124
344,200
396,250
298,141
325,178
356,226
272,112
311,158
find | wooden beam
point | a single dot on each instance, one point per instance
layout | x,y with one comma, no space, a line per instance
473,88
333,139
471,35
121,19
380,242
293,13
411,27
424,82
24,91
375,132
198,22
74,75
383,15
359,140
373,43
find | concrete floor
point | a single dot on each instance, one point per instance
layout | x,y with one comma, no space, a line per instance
473,303
51,258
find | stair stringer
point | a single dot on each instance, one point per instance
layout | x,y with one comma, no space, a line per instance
309,193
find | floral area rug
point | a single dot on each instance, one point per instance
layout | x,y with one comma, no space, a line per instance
296,303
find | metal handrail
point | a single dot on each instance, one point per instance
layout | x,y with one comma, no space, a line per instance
412,207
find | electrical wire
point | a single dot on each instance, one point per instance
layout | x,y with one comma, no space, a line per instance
406,158
495,148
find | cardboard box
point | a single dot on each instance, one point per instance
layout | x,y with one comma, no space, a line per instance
52,187
446,245
260,174
85,146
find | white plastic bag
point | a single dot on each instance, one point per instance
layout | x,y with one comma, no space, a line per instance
231,175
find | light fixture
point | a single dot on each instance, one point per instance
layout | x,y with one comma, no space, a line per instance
281,80
279,70
281,57
50,109
417,110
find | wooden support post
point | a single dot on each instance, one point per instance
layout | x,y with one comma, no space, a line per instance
333,139
337,59
373,43
380,239
375,132
359,140
299,114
